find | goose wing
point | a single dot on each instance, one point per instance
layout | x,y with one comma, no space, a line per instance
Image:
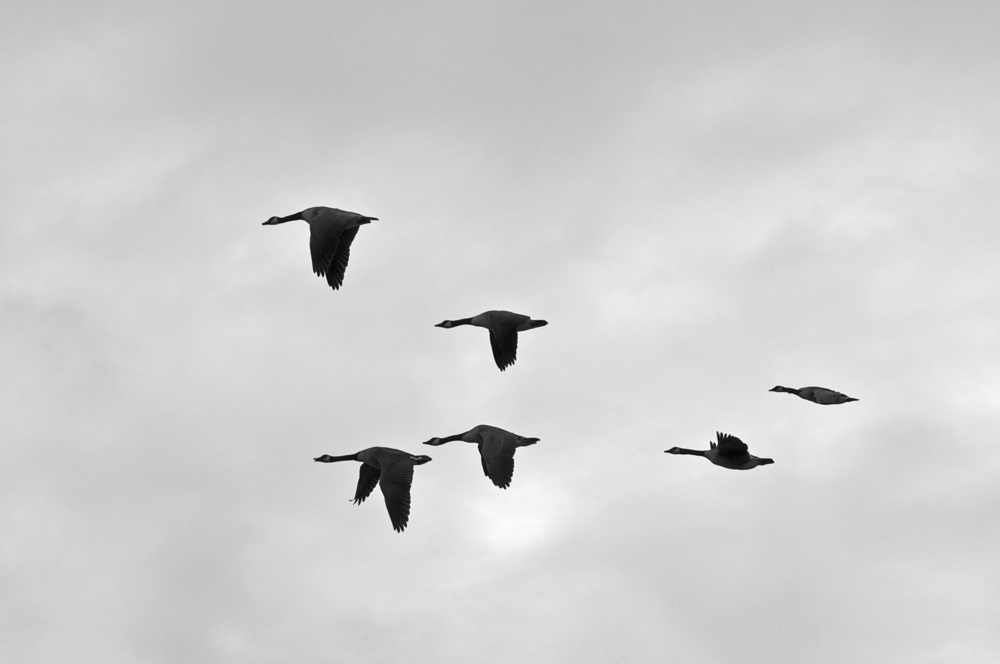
823,395
338,264
397,476
366,482
731,446
325,232
503,336
497,451
504,344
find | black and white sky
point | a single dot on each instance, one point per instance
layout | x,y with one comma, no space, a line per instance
704,199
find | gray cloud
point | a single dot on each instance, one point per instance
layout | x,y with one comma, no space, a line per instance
703,200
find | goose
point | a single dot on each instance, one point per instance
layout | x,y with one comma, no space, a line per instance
331,232
392,470
820,395
730,452
503,327
496,449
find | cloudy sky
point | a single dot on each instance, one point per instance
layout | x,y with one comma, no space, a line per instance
704,199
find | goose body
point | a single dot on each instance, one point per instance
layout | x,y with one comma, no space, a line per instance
496,450
503,327
331,232
728,452
820,395
392,470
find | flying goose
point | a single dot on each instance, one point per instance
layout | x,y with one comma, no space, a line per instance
331,232
496,449
392,470
819,395
503,327
730,452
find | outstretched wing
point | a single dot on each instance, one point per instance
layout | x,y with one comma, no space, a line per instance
324,238
338,264
504,344
397,476
497,451
730,446
503,336
366,483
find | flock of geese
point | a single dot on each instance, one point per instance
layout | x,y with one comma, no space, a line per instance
331,232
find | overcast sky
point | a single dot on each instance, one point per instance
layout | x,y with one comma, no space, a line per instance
704,199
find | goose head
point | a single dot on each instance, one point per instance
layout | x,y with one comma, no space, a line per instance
325,458
446,323
292,217
434,441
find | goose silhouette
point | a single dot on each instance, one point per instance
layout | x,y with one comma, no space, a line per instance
729,452
392,470
503,327
496,450
331,232
820,395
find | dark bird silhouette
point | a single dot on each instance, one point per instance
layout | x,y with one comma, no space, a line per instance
496,450
820,395
392,470
503,327
331,232
730,452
